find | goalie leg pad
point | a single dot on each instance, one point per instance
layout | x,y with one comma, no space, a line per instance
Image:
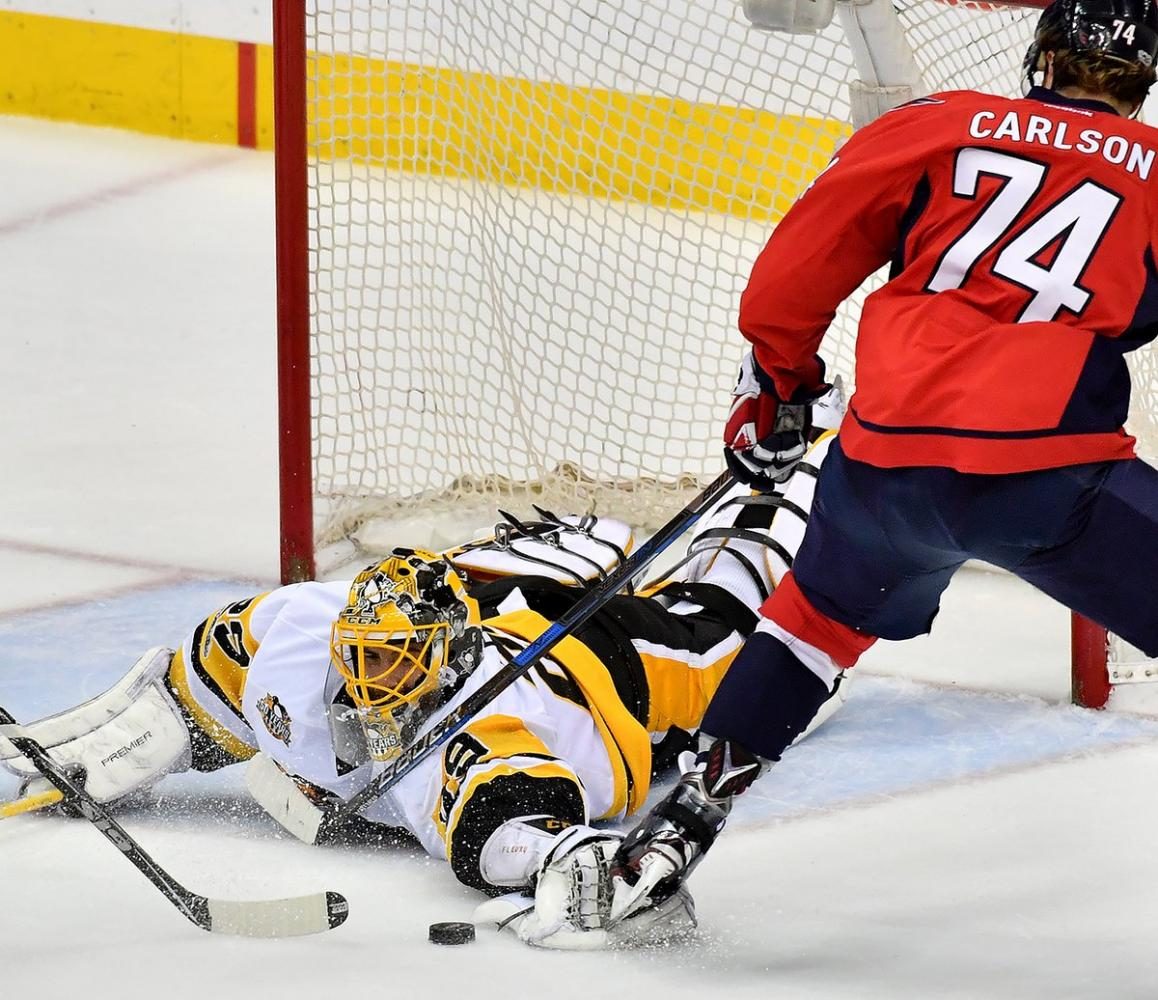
750,541
574,550
123,740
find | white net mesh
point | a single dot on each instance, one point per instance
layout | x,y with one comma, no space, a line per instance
532,222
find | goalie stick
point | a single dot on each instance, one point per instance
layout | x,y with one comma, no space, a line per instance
259,918
279,793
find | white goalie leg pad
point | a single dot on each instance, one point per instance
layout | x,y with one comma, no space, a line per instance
751,567
125,739
573,549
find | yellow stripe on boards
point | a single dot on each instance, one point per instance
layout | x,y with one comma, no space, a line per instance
441,122
163,83
660,151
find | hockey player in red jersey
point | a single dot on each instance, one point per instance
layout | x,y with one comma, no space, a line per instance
991,391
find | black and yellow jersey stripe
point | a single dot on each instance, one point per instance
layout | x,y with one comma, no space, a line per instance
209,681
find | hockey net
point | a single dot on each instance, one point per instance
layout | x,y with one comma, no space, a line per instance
527,224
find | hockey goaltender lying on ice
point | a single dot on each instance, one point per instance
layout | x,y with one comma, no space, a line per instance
320,685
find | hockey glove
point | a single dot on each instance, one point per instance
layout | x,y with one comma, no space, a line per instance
571,906
766,436
656,858
572,893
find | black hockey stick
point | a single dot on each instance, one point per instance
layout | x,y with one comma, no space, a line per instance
331,816
266,918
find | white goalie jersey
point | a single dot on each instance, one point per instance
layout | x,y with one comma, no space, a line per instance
571,742
572,739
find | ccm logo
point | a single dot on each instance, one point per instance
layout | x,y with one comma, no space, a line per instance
128,748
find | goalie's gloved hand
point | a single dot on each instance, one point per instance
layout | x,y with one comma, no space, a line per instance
571,906
572,891
766,436
656,857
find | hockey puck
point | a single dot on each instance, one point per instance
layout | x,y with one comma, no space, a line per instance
452,932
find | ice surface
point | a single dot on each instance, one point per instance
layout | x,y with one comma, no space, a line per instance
931,841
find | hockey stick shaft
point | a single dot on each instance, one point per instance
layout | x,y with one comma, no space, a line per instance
90,809
261,919
333,816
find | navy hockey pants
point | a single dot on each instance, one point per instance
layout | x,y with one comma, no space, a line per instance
882,544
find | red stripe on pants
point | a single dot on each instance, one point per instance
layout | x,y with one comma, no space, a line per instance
794,613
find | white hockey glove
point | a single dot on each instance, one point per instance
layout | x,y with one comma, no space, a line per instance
655,859
571,903
766,436
572,888
120,742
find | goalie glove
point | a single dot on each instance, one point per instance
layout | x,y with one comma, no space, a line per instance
766,436
572,889
570,909
656,858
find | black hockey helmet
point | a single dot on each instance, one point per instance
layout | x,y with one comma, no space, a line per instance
1123,30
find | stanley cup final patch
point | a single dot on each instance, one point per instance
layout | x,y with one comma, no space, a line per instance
277,720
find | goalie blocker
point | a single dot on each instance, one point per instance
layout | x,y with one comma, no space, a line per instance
119,743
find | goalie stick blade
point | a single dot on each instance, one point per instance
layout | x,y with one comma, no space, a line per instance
273,918
276,918
278,794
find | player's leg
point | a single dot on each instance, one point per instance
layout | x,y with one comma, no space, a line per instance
1106,559
874,561
712,604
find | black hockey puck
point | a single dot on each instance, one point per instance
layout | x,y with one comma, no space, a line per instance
452,932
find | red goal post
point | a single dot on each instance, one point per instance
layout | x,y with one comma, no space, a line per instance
511,236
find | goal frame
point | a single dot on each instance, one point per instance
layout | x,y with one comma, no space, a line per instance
294,356
1090,676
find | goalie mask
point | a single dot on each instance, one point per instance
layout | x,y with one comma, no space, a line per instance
1121,30
405,642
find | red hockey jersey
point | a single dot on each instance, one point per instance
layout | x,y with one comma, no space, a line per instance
1021,238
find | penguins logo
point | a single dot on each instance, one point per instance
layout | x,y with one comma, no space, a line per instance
277,720
375,591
